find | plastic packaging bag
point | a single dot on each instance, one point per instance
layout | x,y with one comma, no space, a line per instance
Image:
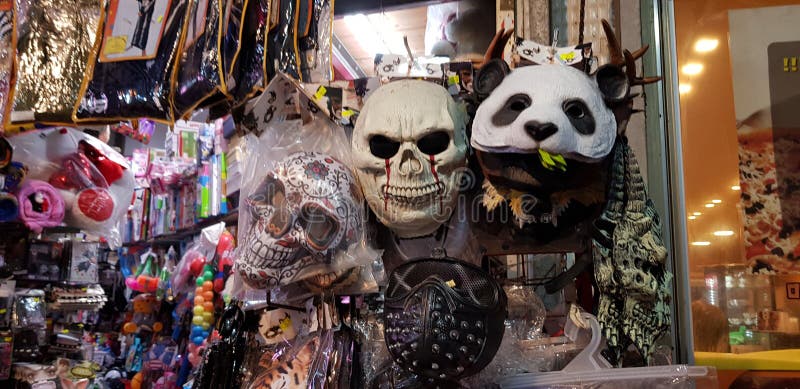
301,208
54,40
314,40
251,69
199,76
118,86
232,29
94,181
282,53
6,62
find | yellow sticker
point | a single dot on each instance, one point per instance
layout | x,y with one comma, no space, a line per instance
568,56
7,339
64,331
160,18
116,45
321,91
36,299
347,113
3,310
285,323
451,283
453,80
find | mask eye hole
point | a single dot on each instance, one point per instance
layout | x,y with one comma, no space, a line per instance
434,143
319,225
575,109
282,217
383,147
518,102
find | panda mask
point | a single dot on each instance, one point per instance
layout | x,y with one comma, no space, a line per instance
551,107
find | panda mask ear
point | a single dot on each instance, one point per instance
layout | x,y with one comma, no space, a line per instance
613,83
490,75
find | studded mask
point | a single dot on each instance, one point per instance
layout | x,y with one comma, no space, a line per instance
443,318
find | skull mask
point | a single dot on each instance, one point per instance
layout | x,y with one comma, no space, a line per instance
409,148
303,213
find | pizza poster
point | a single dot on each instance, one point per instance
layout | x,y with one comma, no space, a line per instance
765,60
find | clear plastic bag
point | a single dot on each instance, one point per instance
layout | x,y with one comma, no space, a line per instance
315,44
281,51
94,181
6,64
54,40
132,88
199,77
301,207
252,61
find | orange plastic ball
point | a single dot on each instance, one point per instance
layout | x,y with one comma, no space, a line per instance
208,285
157,326
199,300
199,291
208,295
208,306
129,328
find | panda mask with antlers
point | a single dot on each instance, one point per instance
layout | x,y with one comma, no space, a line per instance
544,129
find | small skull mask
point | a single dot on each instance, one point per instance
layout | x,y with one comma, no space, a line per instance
409,150
304,212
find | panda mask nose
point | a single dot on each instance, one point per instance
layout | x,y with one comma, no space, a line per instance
540,131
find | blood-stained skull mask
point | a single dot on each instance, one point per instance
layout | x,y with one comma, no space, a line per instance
302,214
409,151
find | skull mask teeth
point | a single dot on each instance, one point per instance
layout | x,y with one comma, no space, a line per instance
303,212
409,148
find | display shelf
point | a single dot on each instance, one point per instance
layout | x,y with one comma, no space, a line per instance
183,233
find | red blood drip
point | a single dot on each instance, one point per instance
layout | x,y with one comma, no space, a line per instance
436,177
386,190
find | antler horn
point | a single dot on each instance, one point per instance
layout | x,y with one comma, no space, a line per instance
495,49
614,48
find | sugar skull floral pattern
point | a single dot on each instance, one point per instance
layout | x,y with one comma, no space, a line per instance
304,212
317,170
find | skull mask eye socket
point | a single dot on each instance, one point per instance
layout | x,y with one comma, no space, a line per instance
320,226
272,194
383,147
434,143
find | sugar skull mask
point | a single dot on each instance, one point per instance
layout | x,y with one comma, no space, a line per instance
409,150
303,213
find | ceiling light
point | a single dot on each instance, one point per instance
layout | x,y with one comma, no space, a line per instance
701,243
705,45
697,213
375,34
715,201
710,205
692,217
723,233
366,35
684,88
736,187
691,69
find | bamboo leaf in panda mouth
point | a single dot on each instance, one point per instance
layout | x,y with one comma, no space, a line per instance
552,161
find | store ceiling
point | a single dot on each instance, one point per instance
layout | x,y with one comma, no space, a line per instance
410,22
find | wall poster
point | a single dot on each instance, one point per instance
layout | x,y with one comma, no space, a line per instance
765,60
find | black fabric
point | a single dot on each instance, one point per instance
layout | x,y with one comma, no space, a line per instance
198,79
136,88
252,51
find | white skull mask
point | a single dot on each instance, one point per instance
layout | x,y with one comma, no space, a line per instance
304,212
409,150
